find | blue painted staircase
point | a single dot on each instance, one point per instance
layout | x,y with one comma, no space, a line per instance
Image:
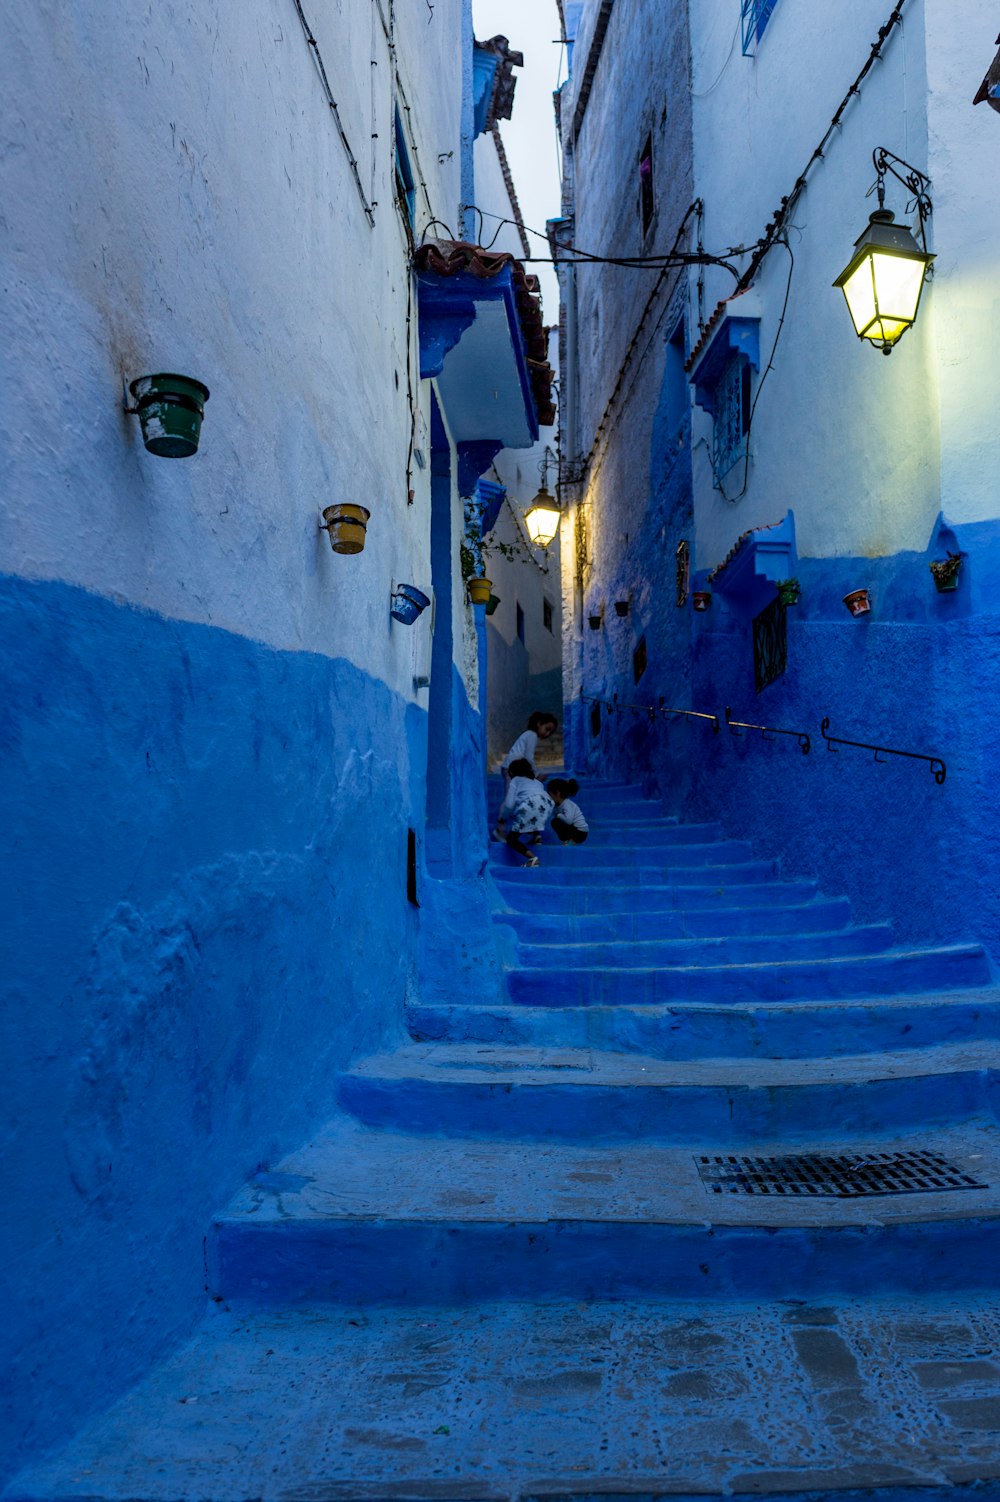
671,1000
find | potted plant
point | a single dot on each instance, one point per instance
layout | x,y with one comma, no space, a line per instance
701,599
346,526
595,621
946,572
621,607
789,591
170,410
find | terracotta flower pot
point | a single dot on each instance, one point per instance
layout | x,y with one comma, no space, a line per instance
859,601
701,599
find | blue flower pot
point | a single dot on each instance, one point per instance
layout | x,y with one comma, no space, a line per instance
408,603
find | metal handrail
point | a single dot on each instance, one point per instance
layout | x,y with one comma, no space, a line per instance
768,732
652,710
937,766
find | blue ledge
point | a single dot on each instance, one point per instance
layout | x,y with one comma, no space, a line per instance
736,334
471,340
760,558
484,71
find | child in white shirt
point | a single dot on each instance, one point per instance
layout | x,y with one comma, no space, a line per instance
568,823
526,809
540,726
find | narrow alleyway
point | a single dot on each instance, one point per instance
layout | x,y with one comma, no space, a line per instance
524,1262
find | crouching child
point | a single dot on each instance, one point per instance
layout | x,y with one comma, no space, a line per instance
525,810
568,823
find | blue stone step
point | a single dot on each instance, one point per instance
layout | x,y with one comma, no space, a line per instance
821,916
950,966
639,1397
575,873
736,950
577,858
591,1097
693,1030
643,835
567,897
382,1216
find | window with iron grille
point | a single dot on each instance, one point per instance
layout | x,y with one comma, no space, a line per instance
756,14
770,644
732,415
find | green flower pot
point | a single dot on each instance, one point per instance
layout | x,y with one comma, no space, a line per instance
170,409
492,603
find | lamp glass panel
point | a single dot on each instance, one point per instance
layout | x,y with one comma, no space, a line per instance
543,524
859,290
898,281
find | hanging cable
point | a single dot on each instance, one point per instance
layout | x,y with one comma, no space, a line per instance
782,213
335,112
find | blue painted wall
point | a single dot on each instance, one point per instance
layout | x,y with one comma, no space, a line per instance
921,672
204,850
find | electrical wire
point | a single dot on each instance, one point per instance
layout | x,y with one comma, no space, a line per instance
780,218
335,112
732,48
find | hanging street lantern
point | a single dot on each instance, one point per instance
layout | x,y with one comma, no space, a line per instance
542,519
543,515
884,278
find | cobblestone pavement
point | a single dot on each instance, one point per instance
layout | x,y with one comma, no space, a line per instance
515,1400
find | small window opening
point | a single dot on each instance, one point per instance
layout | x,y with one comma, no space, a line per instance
411,867
547,614
406,190
520,623
647,202
639,659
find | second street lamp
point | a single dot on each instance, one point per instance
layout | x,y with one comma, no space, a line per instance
542,518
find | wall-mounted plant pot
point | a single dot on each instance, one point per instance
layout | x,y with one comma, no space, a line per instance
480,591
408,604
701,599
346,526
621,607
170,409
945,572
594,621
492,603
789,592
859,601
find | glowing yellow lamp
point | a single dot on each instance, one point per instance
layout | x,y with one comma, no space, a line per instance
883,282
542,519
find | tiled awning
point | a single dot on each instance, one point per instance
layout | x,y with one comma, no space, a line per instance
482,337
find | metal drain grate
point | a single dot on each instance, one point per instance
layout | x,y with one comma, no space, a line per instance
845,1176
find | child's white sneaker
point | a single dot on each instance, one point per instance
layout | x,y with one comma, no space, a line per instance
532,861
